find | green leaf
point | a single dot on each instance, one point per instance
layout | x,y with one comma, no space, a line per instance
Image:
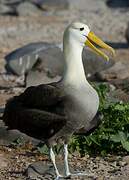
122,135
115,138
119,107
94,140
125,145
43,149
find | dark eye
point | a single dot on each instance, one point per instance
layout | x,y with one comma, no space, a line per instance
81,29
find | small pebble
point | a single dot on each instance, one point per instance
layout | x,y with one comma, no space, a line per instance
122,163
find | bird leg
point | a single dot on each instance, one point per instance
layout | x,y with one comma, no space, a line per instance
67,172
52,157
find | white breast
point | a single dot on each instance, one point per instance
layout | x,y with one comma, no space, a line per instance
85,103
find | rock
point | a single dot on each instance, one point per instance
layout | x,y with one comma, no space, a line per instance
118,95
51,65
93,63
127,33
122,84
40,170
36,77
56,4
22,59
84,5
126,159
48,69
3,161
4,9
28,9
51,61
10,2
125,172
46,62
122,163
45,170
120,70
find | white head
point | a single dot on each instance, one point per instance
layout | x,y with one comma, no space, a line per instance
77,32
76,36
80,34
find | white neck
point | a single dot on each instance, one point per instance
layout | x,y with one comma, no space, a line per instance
74,71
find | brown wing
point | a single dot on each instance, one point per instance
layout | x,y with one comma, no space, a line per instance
38,112
41,96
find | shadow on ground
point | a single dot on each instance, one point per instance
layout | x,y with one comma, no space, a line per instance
118,3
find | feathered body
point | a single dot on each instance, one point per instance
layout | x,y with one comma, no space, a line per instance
52,112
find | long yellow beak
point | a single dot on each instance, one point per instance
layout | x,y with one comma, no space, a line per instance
92,38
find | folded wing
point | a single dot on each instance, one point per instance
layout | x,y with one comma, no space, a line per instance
38,111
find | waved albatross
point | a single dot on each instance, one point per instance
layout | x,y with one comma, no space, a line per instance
53,112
